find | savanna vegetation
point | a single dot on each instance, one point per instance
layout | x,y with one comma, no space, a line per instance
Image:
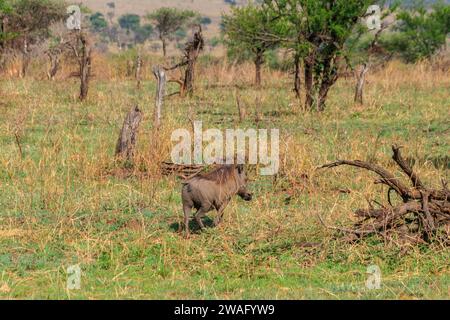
67,200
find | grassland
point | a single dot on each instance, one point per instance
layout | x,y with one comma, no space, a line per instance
64,200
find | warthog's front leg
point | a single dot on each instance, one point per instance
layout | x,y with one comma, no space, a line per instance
187,214
220,213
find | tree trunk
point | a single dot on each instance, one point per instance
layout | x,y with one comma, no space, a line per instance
259,60
360,82
188,85
309,85
192,52
161,79
323,93
85,62
25,59
297,79
329,76
138,70
54,65
164,46
3,30
127,138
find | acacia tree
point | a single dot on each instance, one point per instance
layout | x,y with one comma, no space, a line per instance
98,22
318,30
29,21
5,35
420,32
132,24
5,9
168,20
249,29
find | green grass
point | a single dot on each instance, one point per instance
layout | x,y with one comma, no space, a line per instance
65,201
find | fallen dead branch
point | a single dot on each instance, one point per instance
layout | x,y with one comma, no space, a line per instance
423,216
183,171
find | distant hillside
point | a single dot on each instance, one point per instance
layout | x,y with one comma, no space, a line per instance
209,8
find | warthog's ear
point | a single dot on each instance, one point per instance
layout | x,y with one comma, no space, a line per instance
240,168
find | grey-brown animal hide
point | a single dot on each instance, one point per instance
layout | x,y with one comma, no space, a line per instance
213,190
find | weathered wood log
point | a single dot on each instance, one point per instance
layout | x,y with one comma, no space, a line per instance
128,135
161,79
85,63
360,82
192,51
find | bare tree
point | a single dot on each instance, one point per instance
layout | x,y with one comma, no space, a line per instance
81,49
54,58
191,53
161,79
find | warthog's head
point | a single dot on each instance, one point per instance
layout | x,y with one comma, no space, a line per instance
242,181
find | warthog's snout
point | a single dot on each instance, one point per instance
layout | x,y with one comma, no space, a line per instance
245,195
248,197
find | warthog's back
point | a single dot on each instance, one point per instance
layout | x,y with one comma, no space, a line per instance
210,190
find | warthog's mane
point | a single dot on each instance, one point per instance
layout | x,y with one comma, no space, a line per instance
220,175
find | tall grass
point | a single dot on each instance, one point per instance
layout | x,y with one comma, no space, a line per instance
65,200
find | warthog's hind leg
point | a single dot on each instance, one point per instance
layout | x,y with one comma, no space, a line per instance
198,217
220,213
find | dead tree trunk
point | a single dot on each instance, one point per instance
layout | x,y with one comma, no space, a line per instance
138,74
360,82
127,138
376,50
54,64
192,51
85,62
161,79
81,49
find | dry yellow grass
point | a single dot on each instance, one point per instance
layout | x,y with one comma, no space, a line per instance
67,201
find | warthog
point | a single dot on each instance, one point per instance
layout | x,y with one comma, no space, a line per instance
213,190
